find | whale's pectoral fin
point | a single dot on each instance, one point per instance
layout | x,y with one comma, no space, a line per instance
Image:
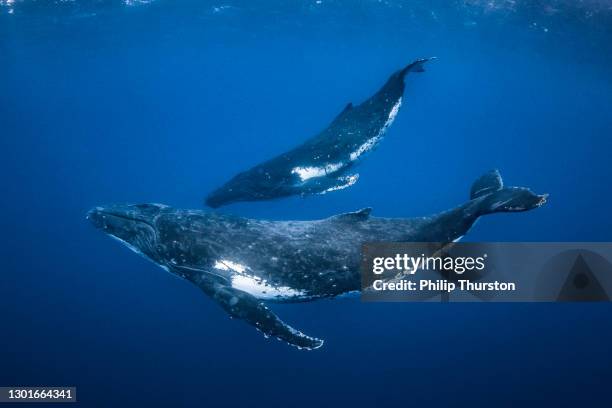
244,306
338,183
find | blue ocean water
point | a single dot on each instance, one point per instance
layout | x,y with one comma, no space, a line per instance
162,101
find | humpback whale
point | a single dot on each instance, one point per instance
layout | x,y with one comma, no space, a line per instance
323,163
244,263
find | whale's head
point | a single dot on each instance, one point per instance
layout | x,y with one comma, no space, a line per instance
252,185
133,225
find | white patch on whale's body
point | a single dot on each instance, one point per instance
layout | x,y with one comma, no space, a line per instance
262,290
306,173
254,285
371,143
225,265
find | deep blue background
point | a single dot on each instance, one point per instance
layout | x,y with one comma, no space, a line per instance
102,102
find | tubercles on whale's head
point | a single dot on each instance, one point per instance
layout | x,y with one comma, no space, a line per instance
133,225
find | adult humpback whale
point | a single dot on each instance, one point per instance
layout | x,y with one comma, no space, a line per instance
242,263
322,163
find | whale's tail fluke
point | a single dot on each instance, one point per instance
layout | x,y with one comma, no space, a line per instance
415,66
491,196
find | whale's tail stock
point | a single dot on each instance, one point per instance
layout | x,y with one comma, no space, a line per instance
491,196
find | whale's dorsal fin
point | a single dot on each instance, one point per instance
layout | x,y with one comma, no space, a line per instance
359,215
347,108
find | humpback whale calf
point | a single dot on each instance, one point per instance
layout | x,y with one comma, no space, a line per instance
244,263
322,164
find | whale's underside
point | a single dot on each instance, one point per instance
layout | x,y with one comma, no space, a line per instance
324,162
